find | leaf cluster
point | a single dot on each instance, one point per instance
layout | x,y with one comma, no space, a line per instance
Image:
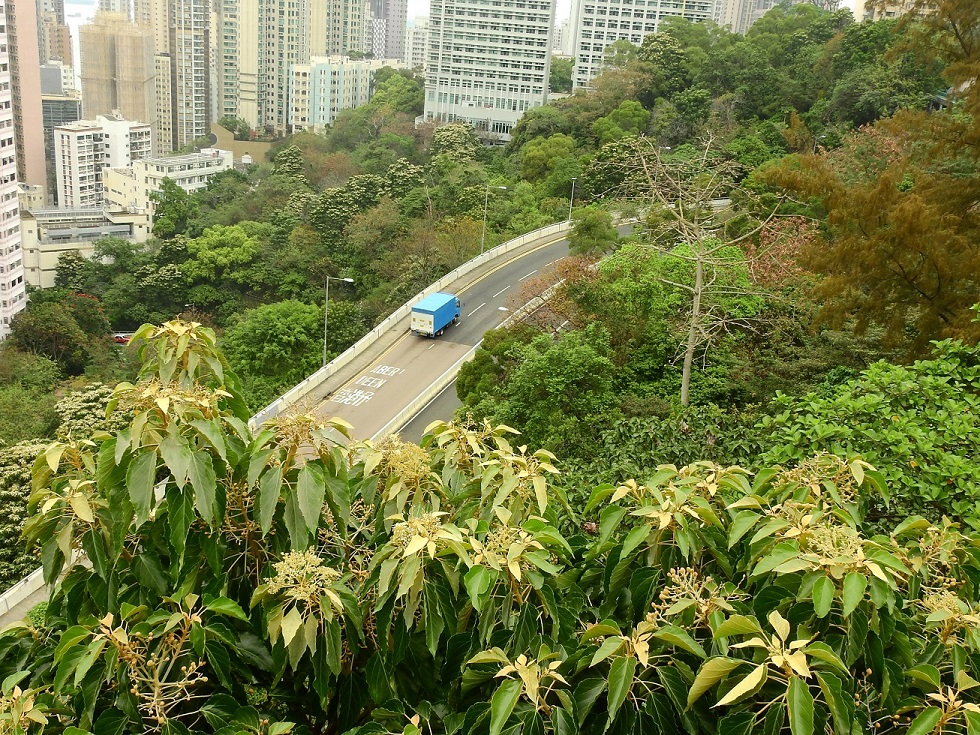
286,580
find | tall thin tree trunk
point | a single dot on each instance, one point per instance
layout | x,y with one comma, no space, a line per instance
692,332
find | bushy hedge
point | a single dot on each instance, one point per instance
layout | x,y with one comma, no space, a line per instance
918,424
15,488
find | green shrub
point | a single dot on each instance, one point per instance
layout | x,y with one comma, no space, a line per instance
15,488
919,424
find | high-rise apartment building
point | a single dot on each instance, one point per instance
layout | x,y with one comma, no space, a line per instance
13,294
190,70
115,6
261,40
864,10
417,44
53,6
388,18
55,39
153,16
595,24
489,62
56,110
84,148
117,68
325,86
739,15
25,82
163,105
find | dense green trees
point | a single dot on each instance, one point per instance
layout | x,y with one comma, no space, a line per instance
283,582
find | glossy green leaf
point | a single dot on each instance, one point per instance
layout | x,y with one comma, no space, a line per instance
799,704
738,625
711,672
502,704
270,487
606,649
840,704
620,681
140,479
676,637
823,593
310,493
226,607
925,722
854,587
478,581
203,480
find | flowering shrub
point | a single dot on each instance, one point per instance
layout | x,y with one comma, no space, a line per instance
291,581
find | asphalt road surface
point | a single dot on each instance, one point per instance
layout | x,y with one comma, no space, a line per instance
382,390
440,408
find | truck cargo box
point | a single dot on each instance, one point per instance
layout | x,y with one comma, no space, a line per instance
434,313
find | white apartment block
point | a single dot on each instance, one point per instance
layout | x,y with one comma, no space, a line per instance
49,233
261,40
83,149
388,22
130,188
489,62
864,10
417,44
13,295
321,89
163,105
596,24
190,70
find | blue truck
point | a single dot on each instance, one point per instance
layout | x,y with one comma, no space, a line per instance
434,313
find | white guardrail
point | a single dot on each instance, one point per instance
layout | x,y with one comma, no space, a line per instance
298,392
440,383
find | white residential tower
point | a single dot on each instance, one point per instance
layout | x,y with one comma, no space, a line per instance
488,62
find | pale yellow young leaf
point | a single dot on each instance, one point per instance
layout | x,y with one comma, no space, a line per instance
779,624
749,683
415,545
798,663
291,623
79,504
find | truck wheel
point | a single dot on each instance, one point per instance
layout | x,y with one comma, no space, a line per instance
439,333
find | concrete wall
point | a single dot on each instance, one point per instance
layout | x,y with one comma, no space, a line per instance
227,142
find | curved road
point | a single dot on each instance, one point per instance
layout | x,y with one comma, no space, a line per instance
381,391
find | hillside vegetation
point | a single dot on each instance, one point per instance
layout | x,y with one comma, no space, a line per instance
283,582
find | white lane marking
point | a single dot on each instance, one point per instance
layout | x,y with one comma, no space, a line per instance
477,309
500,291
528,275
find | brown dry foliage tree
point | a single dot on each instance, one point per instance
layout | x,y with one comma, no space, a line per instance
902,242
546,299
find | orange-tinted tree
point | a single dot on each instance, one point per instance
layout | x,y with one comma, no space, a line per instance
903,226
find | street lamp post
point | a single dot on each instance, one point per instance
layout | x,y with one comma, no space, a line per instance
326,310
572,200
486,202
